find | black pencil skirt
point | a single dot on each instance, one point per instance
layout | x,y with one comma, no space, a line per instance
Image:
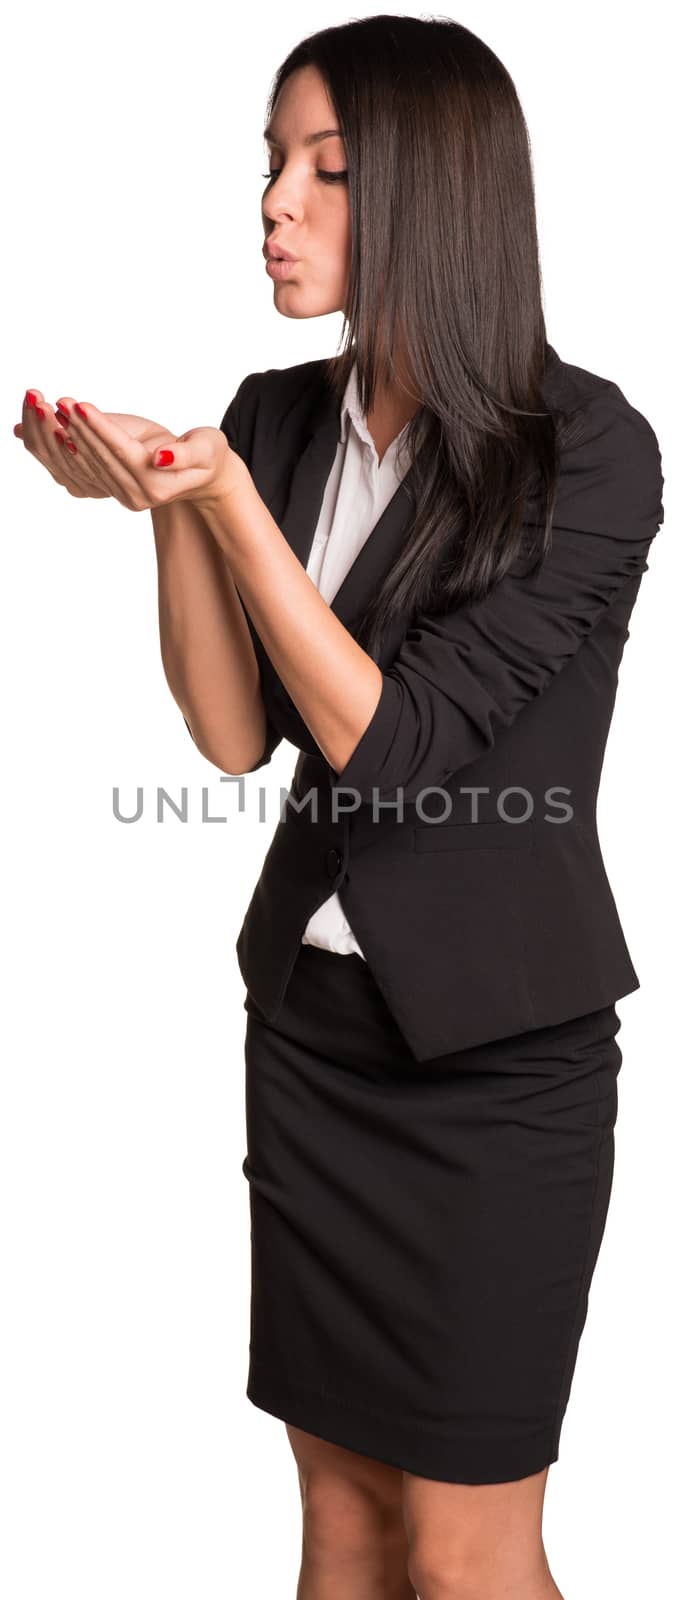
423,1234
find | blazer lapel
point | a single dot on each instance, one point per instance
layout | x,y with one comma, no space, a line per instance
304,502
299,520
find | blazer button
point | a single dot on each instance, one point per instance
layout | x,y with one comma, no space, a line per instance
333,862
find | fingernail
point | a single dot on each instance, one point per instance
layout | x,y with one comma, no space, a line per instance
62,416
31,397
61,406
40,413
164,458
80,410
70,446
59,438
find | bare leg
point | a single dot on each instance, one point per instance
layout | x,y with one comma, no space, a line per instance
477,1541
354,1540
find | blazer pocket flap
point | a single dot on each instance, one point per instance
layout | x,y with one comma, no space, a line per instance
480,835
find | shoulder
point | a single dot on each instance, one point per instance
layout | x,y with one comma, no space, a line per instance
275,391
276,407
611,464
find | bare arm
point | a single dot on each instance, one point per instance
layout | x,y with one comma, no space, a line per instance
334,684
207,652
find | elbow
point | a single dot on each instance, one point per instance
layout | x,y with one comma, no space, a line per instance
234,764
235,750
240,771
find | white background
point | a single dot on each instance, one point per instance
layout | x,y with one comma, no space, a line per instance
131,1461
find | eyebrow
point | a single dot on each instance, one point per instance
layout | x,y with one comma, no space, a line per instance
311,138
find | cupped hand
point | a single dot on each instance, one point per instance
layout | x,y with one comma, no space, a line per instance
46,435
140,472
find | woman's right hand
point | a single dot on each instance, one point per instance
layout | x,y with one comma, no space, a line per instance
44,437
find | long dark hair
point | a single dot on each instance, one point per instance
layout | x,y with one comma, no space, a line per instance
444,268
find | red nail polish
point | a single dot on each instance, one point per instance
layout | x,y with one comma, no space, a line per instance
81,410
62,416
31,397
61,406
165,458
39,412
70,446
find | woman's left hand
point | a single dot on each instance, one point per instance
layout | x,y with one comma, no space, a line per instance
202,468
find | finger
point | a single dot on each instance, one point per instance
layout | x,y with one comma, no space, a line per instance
107,447
38,427
181,455
90,466
199,463
46,440
197,466
33,416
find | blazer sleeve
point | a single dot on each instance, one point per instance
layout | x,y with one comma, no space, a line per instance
461,677
236,424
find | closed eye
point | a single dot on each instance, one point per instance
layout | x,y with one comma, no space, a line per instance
327,177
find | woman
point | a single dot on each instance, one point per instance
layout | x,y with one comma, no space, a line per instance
431,1043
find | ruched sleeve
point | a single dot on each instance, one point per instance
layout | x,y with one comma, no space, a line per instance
461,677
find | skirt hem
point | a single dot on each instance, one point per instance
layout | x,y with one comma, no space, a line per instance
398,1444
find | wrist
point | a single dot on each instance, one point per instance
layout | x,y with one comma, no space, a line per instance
232,485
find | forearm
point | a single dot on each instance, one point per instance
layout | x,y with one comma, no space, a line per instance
332,681
206,647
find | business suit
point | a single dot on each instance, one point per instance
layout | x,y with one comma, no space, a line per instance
474,929
430,1130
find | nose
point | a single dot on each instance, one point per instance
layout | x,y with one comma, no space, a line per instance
273,214
278,203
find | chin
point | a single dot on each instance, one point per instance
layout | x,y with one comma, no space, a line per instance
304,307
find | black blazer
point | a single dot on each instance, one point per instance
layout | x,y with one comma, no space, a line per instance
474,926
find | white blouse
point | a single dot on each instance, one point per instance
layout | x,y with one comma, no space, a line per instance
356,494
